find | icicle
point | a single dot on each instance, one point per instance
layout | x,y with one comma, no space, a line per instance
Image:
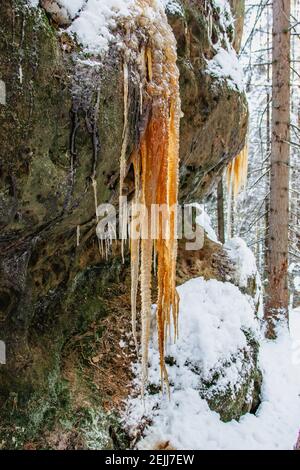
154,257
229,200
155,163
146,274
149,64
237,172
159,153
94,184
135,255
135,263
106,249
123,152
101,248
236,181
78,235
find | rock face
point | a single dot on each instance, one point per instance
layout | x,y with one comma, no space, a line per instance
63,121
208,142
58,13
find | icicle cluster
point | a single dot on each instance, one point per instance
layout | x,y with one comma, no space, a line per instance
155,164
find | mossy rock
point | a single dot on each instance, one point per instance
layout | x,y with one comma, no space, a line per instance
53,139
234,399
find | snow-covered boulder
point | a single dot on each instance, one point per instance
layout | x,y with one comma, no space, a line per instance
216,354
219,344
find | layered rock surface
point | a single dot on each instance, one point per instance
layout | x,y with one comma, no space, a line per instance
62,123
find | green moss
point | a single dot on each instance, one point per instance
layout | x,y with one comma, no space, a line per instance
244,397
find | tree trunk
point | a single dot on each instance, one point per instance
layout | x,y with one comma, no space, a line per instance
277,290
268,150
220,205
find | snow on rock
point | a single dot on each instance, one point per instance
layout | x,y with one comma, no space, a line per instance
173,7
58,11
225,66
93,22
98,18
69,8
72,6
212,313
186,420
243,259
224,10
204,221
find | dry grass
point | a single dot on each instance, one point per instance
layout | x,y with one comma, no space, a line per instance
108,367
163,445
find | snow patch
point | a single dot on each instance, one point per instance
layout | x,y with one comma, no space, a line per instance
204,221
243,259
72,6
95,23
225,66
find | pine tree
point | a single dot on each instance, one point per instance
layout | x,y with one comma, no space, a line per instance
277,289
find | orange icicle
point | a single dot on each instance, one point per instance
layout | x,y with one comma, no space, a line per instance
237,172
156,183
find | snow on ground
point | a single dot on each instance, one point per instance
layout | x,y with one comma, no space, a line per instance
211,315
